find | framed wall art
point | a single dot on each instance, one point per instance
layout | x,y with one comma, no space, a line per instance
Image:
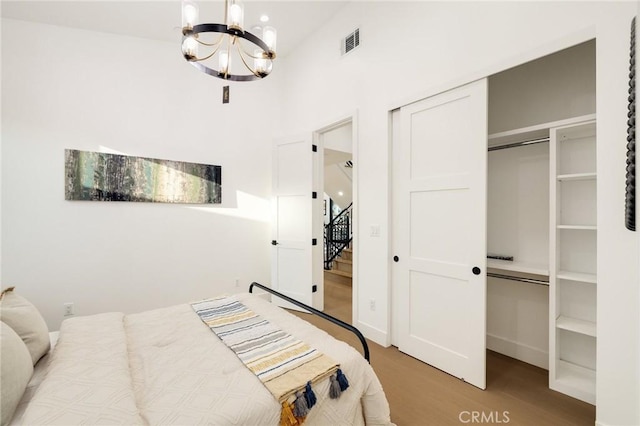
99,176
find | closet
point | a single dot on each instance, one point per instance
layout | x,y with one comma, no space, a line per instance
541,217
494,219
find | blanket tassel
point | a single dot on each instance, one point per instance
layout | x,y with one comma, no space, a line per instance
334,387
339,384
342,380
286,416
310,396
300,408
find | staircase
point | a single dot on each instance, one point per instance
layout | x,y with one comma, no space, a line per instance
341,271
338,263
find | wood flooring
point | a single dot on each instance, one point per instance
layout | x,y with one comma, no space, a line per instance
517,393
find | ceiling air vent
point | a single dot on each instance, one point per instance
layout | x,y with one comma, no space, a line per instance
351,41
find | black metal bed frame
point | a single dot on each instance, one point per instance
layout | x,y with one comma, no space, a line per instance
321,314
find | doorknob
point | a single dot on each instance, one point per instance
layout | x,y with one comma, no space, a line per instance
476,270
274,243
396,258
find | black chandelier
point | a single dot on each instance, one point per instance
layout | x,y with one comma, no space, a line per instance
228,43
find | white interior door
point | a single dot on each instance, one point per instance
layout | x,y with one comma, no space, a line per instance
441,246
293,217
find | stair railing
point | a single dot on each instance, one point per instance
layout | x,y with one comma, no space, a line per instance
337,235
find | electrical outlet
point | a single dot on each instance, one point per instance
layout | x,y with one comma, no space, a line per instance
68,309
372,304
237,282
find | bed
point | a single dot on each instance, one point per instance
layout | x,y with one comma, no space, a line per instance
165,366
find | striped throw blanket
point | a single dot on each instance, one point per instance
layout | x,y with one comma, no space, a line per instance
287,366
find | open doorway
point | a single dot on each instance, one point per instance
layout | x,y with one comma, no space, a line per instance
336,142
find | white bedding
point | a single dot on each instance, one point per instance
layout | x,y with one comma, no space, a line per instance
166,367
39,371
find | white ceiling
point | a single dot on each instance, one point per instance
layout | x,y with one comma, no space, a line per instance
161,20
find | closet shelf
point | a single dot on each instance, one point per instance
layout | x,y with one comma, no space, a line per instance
578,227
577,276
533,132
577,176
515,266
575,325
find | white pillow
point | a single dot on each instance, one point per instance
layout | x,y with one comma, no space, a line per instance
15,371
24,319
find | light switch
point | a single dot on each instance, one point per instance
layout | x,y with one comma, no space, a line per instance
375,230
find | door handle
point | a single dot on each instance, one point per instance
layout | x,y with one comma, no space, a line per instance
476,270
274,243
396,258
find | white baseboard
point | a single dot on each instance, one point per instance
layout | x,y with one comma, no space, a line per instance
379,336
518,350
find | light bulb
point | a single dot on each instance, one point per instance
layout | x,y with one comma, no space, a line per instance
236,16
269,35
190,48
256,30
189,14
223,62
259,63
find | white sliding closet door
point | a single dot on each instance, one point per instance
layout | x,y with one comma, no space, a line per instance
441,257
292,251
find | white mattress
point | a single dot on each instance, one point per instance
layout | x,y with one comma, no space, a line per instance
166,367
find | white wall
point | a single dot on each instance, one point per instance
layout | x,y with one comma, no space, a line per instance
65,88
339,139
518,226
556,87
618,351
338,149
336,182
416,49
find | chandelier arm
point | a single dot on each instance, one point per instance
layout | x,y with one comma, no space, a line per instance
241,46
240,51
208,56
210,44
226,71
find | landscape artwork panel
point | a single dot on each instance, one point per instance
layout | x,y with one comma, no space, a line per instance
99,176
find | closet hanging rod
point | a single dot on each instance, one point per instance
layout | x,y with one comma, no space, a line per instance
520,279
517,144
